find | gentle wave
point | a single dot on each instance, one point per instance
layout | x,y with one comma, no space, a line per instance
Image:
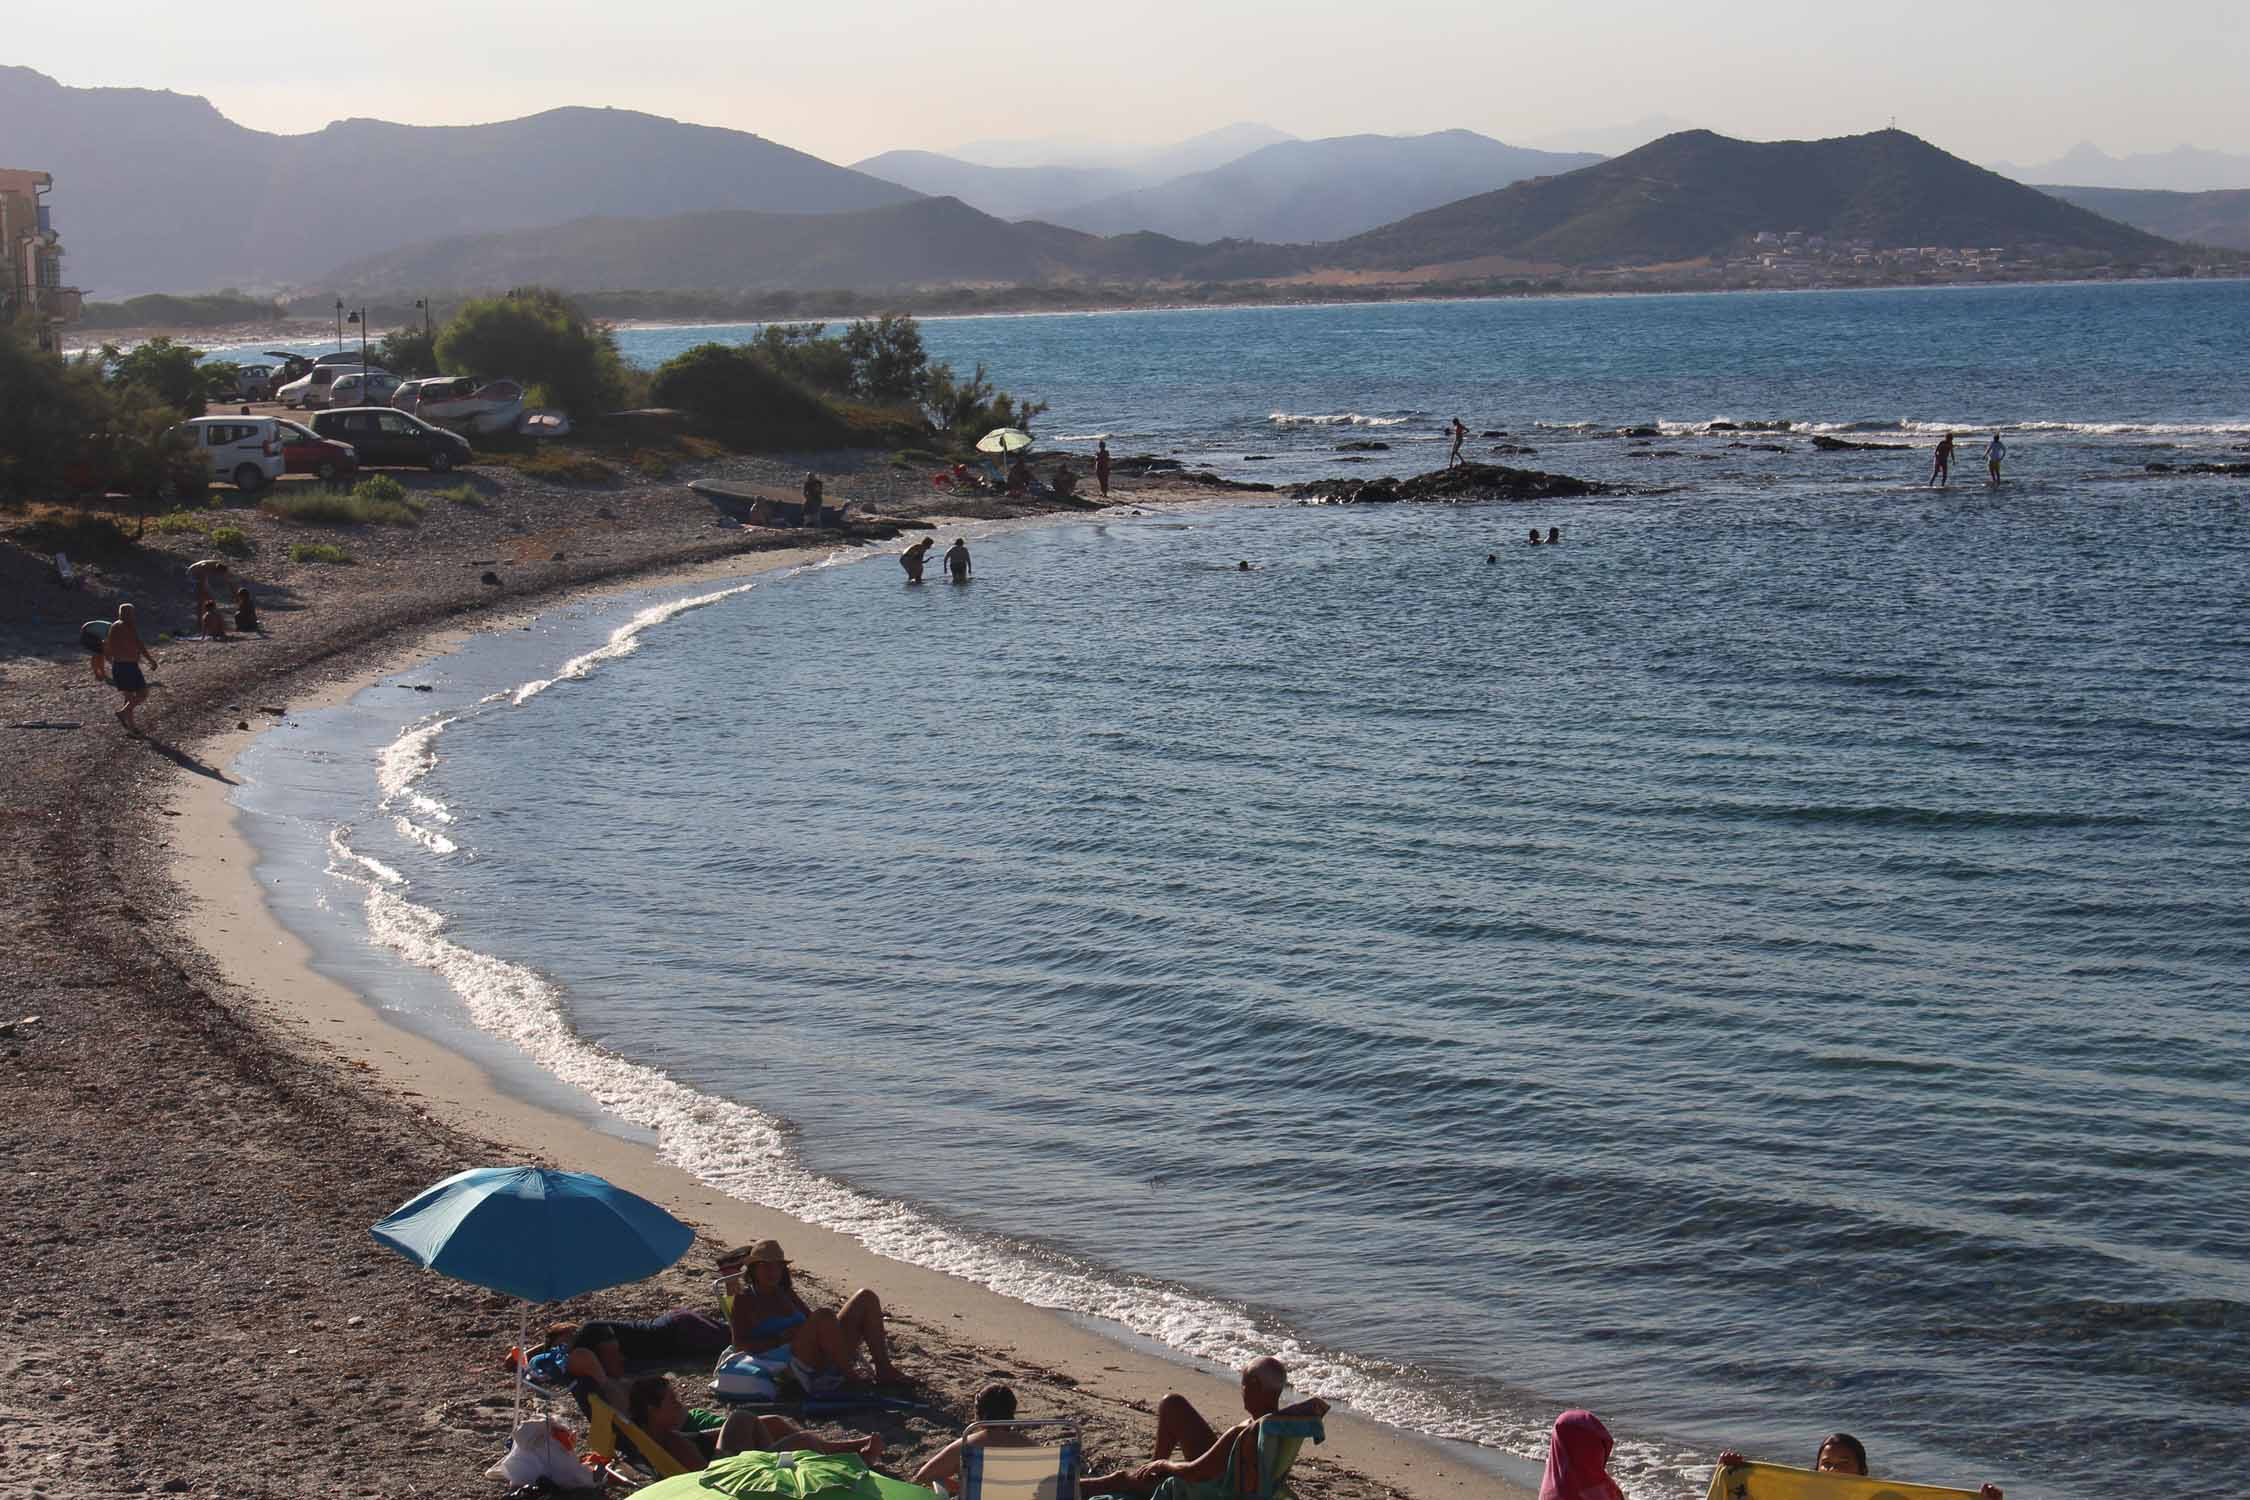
746,1152
1333,419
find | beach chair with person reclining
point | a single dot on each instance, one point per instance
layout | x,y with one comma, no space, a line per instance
1279,1439
1015,1470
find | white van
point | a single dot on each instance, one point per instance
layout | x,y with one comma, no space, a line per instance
311,391
245,451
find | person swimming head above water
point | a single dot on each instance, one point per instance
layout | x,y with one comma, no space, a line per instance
1534,539
1242,567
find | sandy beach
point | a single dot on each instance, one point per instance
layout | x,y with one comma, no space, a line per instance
204,1127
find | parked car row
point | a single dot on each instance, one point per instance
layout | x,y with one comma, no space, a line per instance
252,452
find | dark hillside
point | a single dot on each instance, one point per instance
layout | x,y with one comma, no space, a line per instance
1697,193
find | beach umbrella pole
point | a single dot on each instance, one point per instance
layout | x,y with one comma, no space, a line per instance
523,1362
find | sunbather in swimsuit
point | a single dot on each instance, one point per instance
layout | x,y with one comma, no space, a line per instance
822,1342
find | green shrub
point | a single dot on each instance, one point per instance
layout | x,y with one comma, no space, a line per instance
318,552
651,463
539,336
179,523
561,466
734,395
338,508
82,534
380,489
460,494
232,540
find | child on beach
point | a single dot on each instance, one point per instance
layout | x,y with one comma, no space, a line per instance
995,1403
1578,1460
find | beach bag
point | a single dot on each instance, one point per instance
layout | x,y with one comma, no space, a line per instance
549,1367
538,1452
743,1379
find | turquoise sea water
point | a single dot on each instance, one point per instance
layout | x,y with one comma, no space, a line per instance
1772,963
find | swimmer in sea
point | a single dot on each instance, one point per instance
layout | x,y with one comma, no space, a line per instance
1941,467
1534,538
1242,567
957,560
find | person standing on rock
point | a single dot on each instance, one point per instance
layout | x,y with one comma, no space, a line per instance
1460,436
1941,468
1101,465
812,498
126,652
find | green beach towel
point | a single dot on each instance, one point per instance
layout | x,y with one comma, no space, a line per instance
791,1476
1279,1440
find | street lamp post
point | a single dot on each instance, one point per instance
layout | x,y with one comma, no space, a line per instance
339,325
424,304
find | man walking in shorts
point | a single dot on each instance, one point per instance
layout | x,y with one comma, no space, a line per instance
126,652
1941,468
1994,453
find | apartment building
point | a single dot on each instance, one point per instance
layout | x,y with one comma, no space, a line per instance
32,293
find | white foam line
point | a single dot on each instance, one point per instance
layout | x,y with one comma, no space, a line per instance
623,641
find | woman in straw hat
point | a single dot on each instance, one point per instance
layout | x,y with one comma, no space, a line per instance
767,1316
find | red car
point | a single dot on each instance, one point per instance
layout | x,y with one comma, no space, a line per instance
307,452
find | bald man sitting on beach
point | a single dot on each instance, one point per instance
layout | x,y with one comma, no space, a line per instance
1204,1453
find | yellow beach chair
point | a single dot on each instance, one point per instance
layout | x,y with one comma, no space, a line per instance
1779,1482
605,1424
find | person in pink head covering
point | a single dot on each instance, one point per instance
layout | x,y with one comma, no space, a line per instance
1578,1460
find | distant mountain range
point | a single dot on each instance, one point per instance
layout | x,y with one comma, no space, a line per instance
927,242
1197,153
2215,218
1680,199
1004,192
2183,169
159,191
1301,191
1695,194
1289,192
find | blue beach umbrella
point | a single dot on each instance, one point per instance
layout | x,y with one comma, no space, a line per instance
536,1234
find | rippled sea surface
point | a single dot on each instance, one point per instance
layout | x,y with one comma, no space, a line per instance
1772,963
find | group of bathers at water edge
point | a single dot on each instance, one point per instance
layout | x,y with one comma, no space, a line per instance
118,653
767,1320
956,559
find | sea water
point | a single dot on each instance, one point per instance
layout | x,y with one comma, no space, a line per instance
1771,963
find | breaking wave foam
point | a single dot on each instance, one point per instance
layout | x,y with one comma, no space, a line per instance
747,1153
1333,419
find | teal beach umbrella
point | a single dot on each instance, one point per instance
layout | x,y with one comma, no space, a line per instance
534,1233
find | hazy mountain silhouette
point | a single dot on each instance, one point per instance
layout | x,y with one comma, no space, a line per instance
924,243
2183,169
2214,218
1006,192
159,191
1301,191
1198,153
1697,193
1613,140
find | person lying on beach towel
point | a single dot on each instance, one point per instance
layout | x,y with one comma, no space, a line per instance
695,1436
1179,1426
601,1349
766,1315
1841,1453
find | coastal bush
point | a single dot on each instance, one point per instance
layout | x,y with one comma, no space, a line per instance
179,523
733,394
888,362
163,310
318,552
168,373
460,494
83,534
335,507
380,489
804,353
539,336
965,410
408,352
232,540
557,465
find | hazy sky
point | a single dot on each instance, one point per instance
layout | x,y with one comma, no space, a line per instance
2017,80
